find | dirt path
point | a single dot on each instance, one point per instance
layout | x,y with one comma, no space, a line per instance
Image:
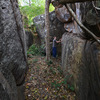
45,81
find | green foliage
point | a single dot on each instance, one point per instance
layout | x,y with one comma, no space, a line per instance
37,67
51,8
35,50
37,8
60,70
58,85
49,62
35,60
52,70
71,87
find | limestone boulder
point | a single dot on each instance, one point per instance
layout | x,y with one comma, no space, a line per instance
63,14
91,17
29,39
81,60
56,27
13,61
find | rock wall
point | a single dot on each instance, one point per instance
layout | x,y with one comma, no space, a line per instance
56,27
80,58
29,39
13,61
90,18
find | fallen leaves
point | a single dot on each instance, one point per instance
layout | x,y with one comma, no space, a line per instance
45,98
44,81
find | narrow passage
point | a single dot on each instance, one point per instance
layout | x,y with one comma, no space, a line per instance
45,80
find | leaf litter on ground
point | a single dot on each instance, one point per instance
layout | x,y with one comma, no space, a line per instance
45,81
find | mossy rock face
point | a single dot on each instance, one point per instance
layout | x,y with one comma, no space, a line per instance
81,59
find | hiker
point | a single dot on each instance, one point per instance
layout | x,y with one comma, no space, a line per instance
54,48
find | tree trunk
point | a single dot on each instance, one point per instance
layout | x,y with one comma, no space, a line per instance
47,30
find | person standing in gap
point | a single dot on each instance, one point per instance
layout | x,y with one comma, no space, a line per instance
54,48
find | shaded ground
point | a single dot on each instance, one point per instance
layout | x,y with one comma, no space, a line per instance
45,81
